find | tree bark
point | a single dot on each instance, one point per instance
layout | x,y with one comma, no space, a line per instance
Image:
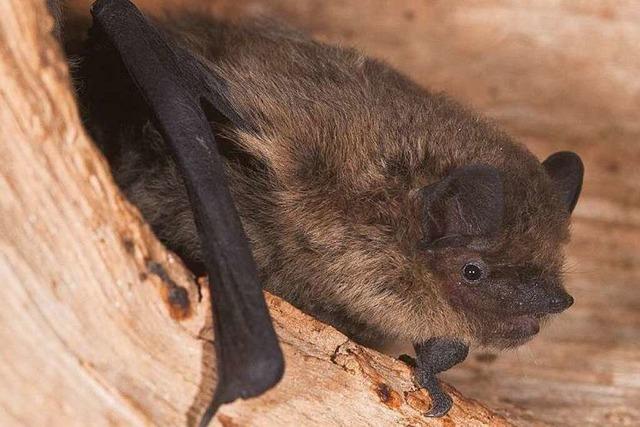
100,324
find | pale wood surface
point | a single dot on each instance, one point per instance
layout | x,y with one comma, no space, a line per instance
91,336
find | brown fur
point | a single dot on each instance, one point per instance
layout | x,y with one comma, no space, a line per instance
327,175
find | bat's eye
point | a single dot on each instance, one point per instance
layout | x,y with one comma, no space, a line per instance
472,272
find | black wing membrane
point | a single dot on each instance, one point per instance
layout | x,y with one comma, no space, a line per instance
174,86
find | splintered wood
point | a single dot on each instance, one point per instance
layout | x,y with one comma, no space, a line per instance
91,333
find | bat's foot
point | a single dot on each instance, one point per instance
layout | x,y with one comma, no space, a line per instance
441,402
433,356
441,405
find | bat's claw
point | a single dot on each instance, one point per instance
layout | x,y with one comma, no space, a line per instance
441,403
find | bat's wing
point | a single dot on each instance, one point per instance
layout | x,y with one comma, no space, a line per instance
175,88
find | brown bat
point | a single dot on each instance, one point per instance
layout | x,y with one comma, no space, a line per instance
386,210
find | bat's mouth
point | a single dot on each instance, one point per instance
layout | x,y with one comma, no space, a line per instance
522,327
513,331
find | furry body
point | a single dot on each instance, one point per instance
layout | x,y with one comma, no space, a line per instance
326,164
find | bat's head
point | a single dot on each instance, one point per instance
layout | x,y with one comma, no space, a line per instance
493,240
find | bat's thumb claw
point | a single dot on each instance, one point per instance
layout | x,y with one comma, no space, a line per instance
440,405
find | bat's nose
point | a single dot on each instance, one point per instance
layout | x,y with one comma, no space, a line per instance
560,302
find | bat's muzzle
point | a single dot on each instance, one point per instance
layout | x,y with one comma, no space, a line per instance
559,302
539,301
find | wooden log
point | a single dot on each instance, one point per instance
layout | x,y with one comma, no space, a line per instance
101,325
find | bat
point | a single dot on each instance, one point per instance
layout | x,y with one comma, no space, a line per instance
270,160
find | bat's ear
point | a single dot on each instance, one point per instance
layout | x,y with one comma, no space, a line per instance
467,203
566,171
